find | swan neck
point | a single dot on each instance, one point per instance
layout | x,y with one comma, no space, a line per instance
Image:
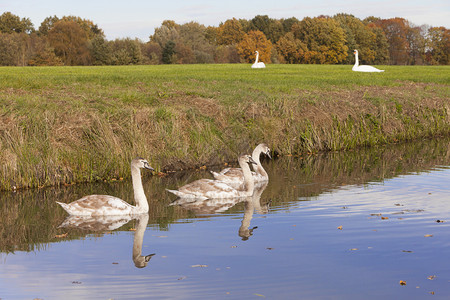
257,57
258,168
139,235
139,195
248,179
356,59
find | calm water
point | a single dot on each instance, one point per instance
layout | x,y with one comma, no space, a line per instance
337,226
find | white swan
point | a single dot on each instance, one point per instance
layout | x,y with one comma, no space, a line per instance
363,68
258,65
236,176
97,205
203,189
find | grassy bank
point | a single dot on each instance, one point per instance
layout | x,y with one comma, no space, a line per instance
81,124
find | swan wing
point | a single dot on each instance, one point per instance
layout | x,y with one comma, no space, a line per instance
206,189
96,205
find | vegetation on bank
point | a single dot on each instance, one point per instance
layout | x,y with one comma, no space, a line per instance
64,125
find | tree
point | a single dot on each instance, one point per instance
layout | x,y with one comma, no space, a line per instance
70,42
125,52
168,52
230,32
165,33
42,54
47,24
292,50
91,29
395,30
358,36
438,47
10,23
252,41
324,40
101,51
152,53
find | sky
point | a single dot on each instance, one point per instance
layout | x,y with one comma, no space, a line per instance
139,18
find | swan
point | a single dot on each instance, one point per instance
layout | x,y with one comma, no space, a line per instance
97,205
258,65
363,68
204,189
235,175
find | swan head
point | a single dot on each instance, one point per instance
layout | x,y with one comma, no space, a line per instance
256,52
266,150
247,159
355,52
141,163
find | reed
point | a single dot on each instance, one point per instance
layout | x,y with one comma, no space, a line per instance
64,125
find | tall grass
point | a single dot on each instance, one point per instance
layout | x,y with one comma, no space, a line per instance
82,124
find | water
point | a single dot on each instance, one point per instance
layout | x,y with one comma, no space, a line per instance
338,226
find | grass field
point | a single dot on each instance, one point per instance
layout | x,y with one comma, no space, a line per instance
81,124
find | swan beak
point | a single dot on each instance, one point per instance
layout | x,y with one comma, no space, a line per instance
147,166
268,154
148,257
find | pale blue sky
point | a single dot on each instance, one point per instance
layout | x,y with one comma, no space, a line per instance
138,18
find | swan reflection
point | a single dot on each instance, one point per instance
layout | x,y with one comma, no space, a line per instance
109,223
214,206
251,205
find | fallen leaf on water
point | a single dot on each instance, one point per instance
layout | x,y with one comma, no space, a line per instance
353,249
132,229
340,227
233,246
402,282
182,277
115,263
269,248
440,221
259,295
59,236
428,235
384,218
431,277
432,293
407,251
376,215
76,282
199,266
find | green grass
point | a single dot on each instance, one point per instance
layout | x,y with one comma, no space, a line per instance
77,124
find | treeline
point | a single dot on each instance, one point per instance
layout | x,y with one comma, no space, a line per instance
72,40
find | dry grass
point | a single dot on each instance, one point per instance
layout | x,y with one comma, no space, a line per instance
87,125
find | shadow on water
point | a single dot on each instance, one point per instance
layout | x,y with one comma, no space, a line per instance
31,219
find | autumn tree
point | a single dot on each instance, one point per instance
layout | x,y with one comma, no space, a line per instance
230,32
193,38
70,42
252,41
152,53
395,30
438,46
42,53
324,40
88,26
292,50
10,23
